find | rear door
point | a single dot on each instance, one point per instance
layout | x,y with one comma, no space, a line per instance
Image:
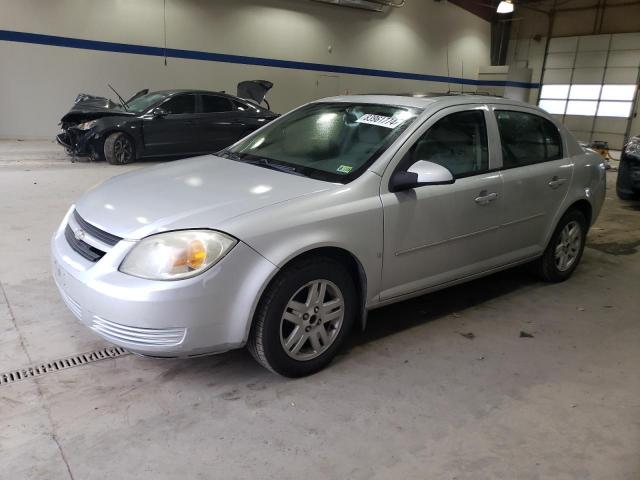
220,122
536,175
174,133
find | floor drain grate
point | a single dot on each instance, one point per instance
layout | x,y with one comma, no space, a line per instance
62,364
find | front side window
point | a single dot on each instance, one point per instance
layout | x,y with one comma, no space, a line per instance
215,104
180,104
458,142
527,139
329,141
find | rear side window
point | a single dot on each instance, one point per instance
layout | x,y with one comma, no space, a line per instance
215,104
457,142
527,139
180,104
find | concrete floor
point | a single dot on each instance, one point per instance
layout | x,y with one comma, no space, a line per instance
410,398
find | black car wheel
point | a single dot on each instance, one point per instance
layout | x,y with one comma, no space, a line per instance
564,251
304,317
119,149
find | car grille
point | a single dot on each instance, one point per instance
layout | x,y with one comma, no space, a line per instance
83,248
87,251
95,232
136,335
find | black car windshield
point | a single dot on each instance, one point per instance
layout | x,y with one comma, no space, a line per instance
334,142
140,104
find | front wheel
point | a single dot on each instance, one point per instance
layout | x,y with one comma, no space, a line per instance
119,149
304,317
564,251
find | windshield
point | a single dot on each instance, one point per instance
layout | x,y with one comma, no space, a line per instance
140,104
335,142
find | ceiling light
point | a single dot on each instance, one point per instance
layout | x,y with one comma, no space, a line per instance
505,6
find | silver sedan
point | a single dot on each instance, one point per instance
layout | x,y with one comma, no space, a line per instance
283,241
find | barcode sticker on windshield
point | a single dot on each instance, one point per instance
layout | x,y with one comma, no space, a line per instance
379,120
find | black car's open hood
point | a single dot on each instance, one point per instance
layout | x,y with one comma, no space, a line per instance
92,109
89,107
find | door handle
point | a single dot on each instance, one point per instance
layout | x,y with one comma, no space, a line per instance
485,198
556,182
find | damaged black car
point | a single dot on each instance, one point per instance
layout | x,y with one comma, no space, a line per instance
166,123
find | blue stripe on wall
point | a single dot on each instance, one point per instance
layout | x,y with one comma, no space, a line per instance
69,42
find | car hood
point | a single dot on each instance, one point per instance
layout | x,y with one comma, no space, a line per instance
85,112
200,192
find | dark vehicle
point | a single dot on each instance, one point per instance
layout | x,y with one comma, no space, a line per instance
628,183
161,124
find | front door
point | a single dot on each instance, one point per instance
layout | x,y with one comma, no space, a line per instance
175,132
439,233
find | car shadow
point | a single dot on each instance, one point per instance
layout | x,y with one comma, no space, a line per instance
238,365
395,318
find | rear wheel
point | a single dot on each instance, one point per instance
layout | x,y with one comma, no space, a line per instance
119,149
304,317
564,251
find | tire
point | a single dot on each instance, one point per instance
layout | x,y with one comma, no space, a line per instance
564,251
289,313
119,149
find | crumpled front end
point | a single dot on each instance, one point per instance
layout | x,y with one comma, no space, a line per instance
81,143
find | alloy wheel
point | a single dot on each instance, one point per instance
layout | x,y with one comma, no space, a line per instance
312,320
568,246
123,150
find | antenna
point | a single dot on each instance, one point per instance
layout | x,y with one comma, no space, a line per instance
446,6
164,25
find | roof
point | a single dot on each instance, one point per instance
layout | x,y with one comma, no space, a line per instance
185,90
424,101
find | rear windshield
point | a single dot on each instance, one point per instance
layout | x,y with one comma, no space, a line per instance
328,141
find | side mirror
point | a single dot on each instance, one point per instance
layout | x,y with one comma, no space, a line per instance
159,112
420,174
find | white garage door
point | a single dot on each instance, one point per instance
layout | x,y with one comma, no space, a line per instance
590,84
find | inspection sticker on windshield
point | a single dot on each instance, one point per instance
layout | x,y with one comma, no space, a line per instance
379,120
344,168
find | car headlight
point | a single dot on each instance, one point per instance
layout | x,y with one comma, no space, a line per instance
177,255
86,125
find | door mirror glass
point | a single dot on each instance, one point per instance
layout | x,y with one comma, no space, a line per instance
420,174
159,112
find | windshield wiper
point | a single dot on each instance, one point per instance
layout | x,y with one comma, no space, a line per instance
266,163
261,162
229,155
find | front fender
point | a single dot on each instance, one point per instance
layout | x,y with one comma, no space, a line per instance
132,126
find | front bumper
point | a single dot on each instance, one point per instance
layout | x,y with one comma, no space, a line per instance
78,142
209,313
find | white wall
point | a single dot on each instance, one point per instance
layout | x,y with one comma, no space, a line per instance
38,83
